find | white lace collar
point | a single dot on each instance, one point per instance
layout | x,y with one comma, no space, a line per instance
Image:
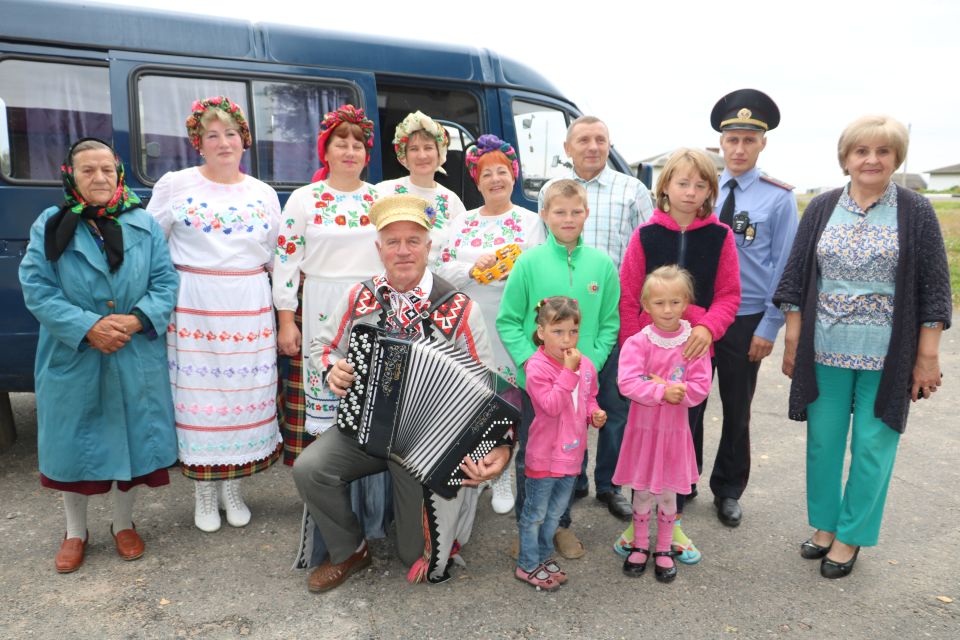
668,341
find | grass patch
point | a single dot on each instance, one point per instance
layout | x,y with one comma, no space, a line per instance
948,212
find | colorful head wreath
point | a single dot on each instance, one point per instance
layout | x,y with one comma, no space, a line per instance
228,106
417,121
346,113
488,143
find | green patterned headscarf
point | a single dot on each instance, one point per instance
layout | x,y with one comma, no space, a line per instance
62,226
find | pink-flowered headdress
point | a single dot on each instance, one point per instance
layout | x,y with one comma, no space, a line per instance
346,113
225,104
502,152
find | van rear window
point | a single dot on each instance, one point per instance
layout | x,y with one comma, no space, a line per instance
44,106
284,122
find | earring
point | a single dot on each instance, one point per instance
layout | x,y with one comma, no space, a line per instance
666,206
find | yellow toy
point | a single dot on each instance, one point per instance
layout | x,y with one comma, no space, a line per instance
506,256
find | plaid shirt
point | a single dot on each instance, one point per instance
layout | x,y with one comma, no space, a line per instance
618,204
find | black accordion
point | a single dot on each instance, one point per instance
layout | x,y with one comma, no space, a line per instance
423,403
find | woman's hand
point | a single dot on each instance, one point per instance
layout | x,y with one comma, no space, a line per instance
485,261
108,335
791,338
340,377
288,339
698,343
926,376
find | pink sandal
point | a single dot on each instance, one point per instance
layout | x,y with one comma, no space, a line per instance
555,571
539,578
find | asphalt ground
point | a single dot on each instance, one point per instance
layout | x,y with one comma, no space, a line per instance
751,583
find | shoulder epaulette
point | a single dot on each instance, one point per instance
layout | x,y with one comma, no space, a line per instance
777,183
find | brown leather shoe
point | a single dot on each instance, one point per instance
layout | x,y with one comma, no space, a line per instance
70,556
129,543
328,576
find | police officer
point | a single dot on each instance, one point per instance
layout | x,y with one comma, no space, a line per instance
762,212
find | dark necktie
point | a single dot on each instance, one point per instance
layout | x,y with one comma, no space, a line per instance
729,205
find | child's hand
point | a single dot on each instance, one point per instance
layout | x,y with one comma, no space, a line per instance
657,379
571,359
599,418
675,393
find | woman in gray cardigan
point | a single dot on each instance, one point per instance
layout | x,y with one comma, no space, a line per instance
866,293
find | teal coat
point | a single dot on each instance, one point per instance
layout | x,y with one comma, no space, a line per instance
101,417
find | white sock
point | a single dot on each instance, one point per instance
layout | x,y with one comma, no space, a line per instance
122,508
75,507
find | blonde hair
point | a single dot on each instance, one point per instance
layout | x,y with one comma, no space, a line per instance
884,128
665,276
217,114
698,160
565,188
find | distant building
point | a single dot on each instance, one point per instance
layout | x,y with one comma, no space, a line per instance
912,181
945,178
658,161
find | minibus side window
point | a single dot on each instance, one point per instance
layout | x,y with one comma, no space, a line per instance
163,107
541,131
287,117
44,107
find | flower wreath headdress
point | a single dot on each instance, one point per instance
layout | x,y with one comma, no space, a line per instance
225,104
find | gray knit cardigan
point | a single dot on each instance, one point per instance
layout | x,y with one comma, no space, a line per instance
922,294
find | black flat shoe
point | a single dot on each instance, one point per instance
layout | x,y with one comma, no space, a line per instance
810,550
832,569
635,569
664,574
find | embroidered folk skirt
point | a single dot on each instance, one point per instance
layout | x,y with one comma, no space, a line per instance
222,355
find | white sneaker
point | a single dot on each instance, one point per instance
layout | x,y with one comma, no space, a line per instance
205,514
238,515
502,500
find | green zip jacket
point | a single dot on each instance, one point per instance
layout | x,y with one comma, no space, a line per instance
586,274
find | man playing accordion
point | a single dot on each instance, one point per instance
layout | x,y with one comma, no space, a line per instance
406,301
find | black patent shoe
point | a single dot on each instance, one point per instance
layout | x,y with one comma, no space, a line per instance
664,574
635,569
832,569
810,550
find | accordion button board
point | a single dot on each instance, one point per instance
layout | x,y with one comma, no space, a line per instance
423,403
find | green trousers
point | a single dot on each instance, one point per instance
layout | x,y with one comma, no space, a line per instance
854,511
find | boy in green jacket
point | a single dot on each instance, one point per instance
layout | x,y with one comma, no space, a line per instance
561,266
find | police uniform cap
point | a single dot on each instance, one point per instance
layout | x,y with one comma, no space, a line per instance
745,109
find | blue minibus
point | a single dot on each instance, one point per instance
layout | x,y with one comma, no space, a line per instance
70,70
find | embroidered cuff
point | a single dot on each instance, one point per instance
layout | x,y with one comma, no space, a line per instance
787,307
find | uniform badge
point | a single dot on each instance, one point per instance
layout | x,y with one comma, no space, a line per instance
744,113
593,287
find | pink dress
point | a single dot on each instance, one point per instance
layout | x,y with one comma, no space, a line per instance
657,453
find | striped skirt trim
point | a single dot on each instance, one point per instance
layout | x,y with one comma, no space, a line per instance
207,473
214,272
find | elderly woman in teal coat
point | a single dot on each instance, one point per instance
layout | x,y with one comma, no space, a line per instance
98,277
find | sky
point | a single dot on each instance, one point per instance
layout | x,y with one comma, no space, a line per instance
653,71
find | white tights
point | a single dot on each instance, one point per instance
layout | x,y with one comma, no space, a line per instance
75,507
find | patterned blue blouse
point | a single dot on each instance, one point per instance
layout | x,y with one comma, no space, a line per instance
857,259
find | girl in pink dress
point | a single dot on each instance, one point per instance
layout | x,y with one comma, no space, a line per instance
657,459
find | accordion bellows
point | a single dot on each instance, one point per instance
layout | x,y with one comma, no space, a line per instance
423,403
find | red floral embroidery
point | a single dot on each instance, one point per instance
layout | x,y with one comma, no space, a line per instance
326,196
281,241
364,220
291,247
368,197
341,220
318,219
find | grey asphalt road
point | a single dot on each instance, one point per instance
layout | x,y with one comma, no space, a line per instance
751,584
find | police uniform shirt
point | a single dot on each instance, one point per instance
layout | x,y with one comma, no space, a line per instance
772,210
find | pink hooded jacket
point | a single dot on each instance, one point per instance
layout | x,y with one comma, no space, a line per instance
557,438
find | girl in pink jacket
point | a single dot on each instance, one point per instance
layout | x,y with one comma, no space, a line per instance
562,385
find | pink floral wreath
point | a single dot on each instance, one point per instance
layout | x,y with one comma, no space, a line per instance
225,104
